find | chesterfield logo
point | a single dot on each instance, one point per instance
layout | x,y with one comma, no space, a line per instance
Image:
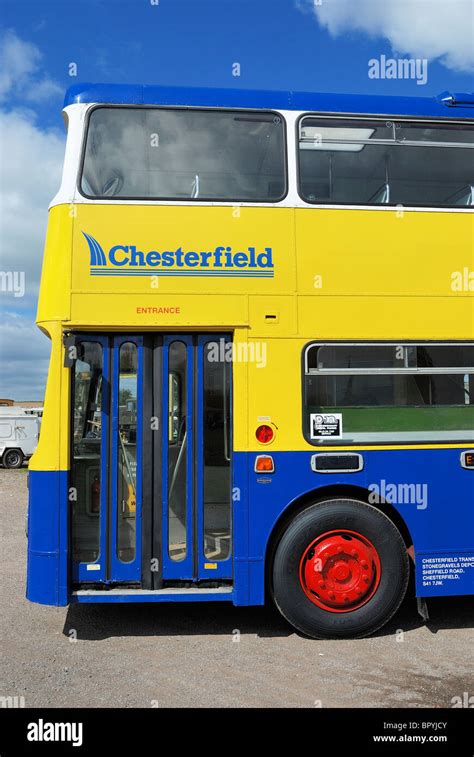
127,260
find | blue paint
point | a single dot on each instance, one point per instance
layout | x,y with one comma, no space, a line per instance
461,106
443,529
191,596
47,577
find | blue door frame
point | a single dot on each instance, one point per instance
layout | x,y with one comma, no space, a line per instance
97,570
182,569
108,567
207,567
194,566
119,570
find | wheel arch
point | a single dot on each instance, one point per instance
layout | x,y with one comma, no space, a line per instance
332,491
13,449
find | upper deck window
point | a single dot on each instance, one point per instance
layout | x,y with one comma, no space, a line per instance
178,154
381,162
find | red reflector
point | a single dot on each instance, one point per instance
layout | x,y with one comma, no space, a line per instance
264,434
264,464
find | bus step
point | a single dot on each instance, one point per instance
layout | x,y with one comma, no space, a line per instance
169,594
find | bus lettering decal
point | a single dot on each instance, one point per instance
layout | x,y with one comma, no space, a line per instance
223,261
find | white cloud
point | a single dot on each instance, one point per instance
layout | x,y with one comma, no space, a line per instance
30,172
24,357
42,90
20,75
433,29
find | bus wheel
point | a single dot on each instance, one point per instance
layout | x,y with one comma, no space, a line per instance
340,570
13,458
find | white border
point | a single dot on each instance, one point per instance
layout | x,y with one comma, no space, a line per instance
463,459
68,193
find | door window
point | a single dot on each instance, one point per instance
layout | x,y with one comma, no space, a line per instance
87,447
216,444
127,452
177,451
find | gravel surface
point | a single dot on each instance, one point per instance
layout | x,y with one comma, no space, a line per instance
207,655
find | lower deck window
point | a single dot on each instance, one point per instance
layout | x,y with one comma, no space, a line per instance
363,393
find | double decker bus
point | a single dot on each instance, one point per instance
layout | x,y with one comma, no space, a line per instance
261,384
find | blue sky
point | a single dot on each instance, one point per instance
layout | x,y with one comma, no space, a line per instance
318,45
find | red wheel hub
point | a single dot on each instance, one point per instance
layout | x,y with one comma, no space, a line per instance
340,571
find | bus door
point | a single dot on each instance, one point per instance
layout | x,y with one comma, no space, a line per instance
106,473
150,487
196,458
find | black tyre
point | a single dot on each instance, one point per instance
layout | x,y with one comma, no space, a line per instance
340,570
13,458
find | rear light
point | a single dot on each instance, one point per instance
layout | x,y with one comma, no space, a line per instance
264,464
264,434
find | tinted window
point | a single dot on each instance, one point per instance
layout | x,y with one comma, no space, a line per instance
86,459
127,452
184,154
386,163
216,454
366,357
392,392
177,450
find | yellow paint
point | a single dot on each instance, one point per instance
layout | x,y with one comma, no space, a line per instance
140,311
52,452
339,274
370,252
167,227
55,290
393,318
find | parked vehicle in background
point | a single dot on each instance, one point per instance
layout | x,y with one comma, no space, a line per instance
19,433
38,411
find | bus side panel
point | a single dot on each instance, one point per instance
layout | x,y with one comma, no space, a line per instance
47,581
433,494
48,540
240,528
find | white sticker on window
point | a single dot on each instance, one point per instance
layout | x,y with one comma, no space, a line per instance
324,425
